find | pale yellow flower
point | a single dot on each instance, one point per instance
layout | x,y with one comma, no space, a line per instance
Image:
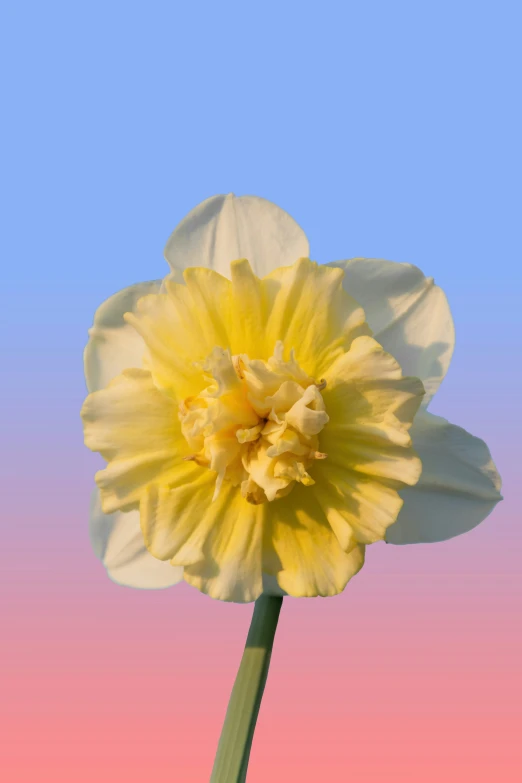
257,412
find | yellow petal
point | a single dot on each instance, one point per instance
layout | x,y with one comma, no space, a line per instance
174,517
302,551
308,415
288,394
248,313
210,295
135,427
310,312
371,408
260,467
173,341
218,542
287,441
356,506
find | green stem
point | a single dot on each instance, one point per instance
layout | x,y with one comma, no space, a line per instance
235,742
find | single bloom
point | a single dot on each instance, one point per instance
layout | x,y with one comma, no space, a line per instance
263,417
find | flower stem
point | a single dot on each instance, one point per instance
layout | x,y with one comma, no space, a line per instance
237,734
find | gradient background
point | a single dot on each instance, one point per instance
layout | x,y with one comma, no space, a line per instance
385,129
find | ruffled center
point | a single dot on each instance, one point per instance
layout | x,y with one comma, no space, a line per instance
256,423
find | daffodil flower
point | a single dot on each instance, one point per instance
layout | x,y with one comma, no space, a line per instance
264,418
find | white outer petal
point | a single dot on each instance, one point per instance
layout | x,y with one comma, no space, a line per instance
117,541
408,314
225,228
458,488
113,344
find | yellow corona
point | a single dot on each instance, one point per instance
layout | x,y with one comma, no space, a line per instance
265,436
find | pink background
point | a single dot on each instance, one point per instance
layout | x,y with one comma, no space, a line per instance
388,130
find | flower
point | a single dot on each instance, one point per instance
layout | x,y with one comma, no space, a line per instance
263,417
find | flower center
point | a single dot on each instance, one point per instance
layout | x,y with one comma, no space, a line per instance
256,423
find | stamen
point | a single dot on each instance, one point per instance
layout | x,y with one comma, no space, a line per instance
199,459
239,365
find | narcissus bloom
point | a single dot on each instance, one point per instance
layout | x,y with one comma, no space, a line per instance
263,417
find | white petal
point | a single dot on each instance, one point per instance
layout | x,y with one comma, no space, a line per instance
408,313
113,344
118,541
225,228
458,488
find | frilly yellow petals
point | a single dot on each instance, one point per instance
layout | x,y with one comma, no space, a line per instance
267,436
249,435
256,424
308,415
